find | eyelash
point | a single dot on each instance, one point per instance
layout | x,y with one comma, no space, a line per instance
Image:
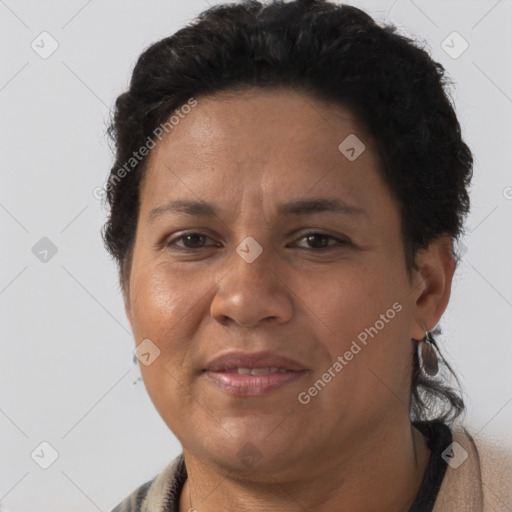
178,248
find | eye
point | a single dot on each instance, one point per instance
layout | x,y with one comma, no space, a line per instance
321,240
195,240
191,240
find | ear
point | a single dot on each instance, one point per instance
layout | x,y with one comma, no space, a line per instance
127,306
436,266
128,310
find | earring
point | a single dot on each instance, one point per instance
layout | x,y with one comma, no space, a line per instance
427,355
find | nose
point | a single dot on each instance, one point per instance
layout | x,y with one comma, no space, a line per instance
253,292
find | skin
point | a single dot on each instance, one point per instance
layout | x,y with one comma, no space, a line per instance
353,443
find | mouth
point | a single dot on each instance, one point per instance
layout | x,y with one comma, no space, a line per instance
253,374
261,362
252,371
253,382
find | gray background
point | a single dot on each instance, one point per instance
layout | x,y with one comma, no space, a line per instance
66,370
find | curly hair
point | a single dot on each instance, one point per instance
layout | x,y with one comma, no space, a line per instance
332,52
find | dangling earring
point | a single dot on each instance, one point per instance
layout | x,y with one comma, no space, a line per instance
138,378
427,355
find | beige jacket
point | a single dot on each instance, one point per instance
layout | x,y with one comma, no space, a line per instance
478,479
483,482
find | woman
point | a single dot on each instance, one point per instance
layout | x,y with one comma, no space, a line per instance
297,375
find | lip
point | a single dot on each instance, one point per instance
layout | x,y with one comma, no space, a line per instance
232,360
253,385
222,372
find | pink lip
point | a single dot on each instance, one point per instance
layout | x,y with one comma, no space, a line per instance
232,360
252,385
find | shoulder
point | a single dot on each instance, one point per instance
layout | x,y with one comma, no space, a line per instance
156,493
496,470
478,474
133,502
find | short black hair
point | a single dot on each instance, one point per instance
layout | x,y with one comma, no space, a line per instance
333,52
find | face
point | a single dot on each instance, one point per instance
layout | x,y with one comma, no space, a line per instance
324,287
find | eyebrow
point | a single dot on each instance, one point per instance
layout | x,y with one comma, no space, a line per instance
296,207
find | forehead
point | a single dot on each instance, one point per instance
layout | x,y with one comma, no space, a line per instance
255,143
258,120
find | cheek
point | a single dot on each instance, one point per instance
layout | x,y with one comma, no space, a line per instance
350,301
362,317
164,301
167,309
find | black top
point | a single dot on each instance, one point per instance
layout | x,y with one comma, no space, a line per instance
439,437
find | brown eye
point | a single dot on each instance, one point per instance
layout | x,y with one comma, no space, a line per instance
319,240
191,241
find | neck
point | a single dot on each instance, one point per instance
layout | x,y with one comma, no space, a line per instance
380,472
